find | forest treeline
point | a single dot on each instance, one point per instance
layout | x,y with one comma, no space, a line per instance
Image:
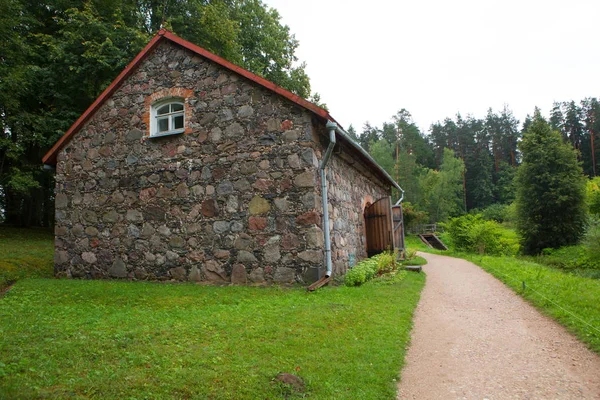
465,163
57,56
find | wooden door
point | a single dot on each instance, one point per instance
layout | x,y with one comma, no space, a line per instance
378,221
398,227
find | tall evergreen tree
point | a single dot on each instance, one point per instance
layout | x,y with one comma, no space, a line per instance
550,190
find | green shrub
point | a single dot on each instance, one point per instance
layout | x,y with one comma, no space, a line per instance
495,212
371,267
472,233
593,195
569,258
592,238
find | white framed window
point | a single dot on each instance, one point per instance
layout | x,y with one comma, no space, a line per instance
167,117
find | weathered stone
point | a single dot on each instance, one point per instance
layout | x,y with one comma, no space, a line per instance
294,161
133,135
238,275
308,218
258,205
172,256
220,227
242,185
221,254
264,165
234,130
246,257
133,231
290,241
271,250
178,273
77,230
226,114
134,216
281,204
237,226
215,134
206,173
176,242
195,275
131,159
197,190
61,257
314,237
257,275
209,208
245,111
243,242
305,179
290,136
214,271
147,231
232,204
312,256
196,256
60,230
248,168
284,275
140,273
257,223
310,157
273,125
164,230
90,216
224,187
267,140
154,213
182,190
118,269
91,231
61,201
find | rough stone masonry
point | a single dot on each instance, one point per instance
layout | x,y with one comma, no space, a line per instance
235,198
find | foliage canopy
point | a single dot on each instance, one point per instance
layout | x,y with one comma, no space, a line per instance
551,209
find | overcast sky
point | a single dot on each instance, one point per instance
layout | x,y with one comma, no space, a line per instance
369,59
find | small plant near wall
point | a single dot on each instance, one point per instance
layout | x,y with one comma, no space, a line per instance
382,265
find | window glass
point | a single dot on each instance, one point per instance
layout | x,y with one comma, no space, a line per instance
176,107
178,122
163,110
163,124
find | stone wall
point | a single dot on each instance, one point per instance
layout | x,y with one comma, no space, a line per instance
231,199
350,187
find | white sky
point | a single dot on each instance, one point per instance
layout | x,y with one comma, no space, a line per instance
369,59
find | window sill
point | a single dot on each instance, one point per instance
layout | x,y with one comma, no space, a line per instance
171,133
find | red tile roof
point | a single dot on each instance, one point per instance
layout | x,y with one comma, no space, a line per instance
162,35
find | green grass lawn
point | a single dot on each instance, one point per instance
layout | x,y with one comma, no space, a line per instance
25,253
134,340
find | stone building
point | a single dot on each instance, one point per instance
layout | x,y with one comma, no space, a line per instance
188,167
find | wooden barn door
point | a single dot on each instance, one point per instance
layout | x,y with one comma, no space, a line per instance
398,227
378,221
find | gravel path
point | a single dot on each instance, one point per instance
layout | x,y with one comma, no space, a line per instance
474,338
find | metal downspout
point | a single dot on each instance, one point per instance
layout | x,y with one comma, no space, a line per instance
332,127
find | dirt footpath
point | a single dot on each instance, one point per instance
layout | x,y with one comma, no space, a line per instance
474,338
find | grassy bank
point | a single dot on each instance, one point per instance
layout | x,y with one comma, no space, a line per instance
114,340
570,299
25,253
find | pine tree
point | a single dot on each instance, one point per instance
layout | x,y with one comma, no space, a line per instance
550,190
